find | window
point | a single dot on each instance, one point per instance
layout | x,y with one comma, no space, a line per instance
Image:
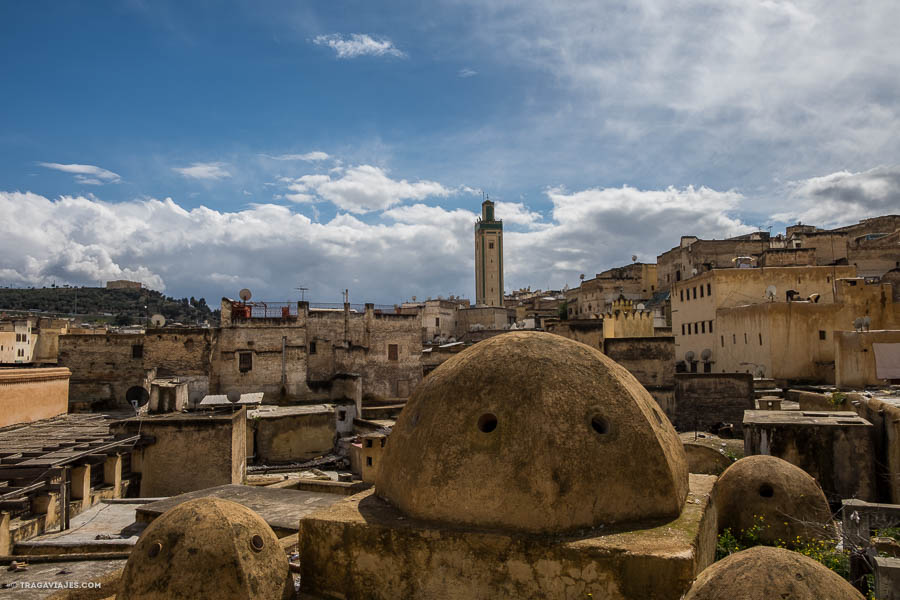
382,442
821,334
682,329
490,245
745,338
710,327
677,275
703,325
733,338
137,351
701,291
723,341
682,295
368,443
368,461
245,361
696,329
760,339
393,352
695,292
707,367
312,347
709,289
342,415
437,321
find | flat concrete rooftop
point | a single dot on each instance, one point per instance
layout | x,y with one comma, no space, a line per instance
274,412
280,508
804,417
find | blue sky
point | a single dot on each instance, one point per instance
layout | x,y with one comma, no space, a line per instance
206,146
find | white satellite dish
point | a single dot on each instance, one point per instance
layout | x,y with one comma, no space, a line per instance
689,356
158,320
640,307
706,354
770,293
245,294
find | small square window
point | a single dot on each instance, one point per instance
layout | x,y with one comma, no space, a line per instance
312,347
393,352
822,334
490,245
368,461
368,443
245,361
137,351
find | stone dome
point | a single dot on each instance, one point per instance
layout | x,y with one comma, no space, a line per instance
790,501
534,432
207,548
766,572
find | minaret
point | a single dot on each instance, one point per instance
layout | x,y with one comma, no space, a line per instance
488,258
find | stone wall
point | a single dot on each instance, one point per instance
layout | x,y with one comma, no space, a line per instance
651,361
586,331
291,434
884,415
104,367
705,399
28,395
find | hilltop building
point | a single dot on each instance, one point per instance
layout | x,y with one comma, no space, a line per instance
488,258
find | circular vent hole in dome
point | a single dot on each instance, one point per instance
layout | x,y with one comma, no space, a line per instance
487,422
766,491
600,425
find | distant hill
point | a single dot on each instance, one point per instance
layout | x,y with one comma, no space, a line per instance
118,307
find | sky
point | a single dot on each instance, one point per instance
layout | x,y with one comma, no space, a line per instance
203,147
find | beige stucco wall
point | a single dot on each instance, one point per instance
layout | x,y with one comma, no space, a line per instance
854,357
28,395
188,453
728,288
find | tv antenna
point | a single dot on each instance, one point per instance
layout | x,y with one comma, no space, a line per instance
302,291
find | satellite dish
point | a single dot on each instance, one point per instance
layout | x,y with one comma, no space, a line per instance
634,258
233,396
689,356
581,277
770,293
245,294
706,354
158,320
640,307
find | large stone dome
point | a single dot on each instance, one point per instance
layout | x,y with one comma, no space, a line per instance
764,572
207,548
535,432
782,499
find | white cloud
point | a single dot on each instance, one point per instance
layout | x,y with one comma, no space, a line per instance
358,44
361,189
210,171
843,198
316,155
467,73
516,213
86,174
408,250
662,91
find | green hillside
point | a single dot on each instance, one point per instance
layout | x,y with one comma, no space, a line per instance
119,307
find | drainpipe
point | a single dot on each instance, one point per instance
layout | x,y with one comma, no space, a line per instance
283,361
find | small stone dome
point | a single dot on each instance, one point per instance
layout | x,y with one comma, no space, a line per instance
535,432
790,501
207,548
766,572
